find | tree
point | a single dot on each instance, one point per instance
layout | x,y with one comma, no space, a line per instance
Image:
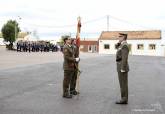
10,32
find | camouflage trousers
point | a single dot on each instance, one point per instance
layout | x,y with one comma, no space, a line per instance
123,81
68,75
73,81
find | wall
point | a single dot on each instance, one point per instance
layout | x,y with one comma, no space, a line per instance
1,41
134,51
89,46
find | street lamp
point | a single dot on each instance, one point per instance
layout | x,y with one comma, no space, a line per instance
15,31
16,27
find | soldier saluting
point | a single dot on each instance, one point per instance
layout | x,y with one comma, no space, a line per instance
69,66
122,67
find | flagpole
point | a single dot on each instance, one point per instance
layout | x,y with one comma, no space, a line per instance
78,46
78,33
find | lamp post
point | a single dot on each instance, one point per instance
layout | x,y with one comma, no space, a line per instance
15,31
16,27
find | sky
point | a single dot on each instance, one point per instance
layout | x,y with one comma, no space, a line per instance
53,18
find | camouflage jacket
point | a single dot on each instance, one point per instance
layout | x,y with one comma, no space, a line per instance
69,57
122,57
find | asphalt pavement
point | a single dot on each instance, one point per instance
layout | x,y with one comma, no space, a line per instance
37,88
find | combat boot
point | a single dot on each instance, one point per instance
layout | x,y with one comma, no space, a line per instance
74,92
122,102
67,95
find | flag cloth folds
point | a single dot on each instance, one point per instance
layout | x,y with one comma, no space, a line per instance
78,32
78,46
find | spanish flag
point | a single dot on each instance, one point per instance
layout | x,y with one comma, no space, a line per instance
78,32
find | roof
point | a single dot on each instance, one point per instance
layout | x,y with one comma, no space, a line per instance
84,42
132,35
89,39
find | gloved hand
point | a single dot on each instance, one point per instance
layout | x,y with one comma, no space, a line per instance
77,59
122,70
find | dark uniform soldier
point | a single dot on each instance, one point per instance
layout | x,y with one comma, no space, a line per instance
29,46
18,46
69,67
74,78
122,67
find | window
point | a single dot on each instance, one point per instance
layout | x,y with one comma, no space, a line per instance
106,46
152,46
140,46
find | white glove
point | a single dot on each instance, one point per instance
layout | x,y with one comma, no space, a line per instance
77,59
122,70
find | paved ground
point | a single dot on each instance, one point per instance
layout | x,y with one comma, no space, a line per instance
32,86
11,59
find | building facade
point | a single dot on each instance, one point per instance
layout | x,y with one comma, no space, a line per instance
89,45
140,42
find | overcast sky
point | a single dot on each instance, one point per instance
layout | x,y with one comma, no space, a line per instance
56,17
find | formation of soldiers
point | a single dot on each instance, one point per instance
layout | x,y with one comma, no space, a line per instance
36,46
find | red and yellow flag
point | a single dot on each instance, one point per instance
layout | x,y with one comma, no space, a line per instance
78,32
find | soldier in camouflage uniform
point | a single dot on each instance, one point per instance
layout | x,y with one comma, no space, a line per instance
69,66
74,78
122,67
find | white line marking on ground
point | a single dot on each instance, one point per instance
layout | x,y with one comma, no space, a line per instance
51,84
143,110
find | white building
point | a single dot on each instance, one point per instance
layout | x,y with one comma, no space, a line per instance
1,42
140,42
